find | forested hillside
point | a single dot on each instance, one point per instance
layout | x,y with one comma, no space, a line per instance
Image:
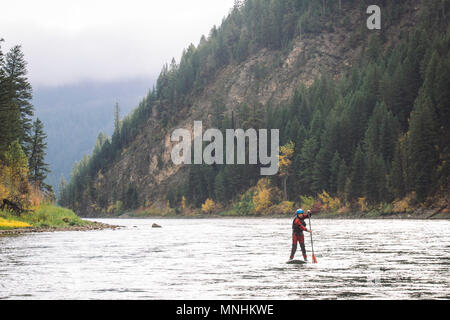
22,141
363,114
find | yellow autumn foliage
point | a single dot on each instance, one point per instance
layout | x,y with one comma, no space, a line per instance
7,224
209,206
402,206
286,153
265,196
262,200
14,171
115,207
328,202
285,207
362,204
183,202
4,192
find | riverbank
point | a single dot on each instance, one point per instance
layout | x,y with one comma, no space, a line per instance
46,218
92,226
325,207
420,214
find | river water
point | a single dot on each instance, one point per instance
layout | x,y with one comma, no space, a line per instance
230,259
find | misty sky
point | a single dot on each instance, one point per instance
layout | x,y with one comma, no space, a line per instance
104,40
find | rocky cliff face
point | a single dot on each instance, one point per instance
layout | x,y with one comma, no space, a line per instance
146,163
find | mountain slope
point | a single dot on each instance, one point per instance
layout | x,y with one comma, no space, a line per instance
269,62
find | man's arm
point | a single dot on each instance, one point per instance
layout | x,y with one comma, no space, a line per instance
307,214
299,223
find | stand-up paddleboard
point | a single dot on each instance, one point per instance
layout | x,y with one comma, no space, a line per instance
296,262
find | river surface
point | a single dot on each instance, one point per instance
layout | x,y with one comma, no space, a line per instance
230,259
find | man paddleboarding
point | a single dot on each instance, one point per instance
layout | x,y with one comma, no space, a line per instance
298,226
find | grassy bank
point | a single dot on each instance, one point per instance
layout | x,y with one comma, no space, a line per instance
46,217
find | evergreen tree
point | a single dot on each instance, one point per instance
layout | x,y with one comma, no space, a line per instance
19,95
9,112
220,194
171,197
307,159
285,164
374,177
334,173
321,171
423,156
38,168
342,179
130,198
356,182
17,162
217,109
436,84
397,178
62,189
116,118
120,135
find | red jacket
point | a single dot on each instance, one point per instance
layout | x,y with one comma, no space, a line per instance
299,224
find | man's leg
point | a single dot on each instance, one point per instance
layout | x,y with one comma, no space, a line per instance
294,246
301,239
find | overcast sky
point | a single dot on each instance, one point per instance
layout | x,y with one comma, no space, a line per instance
104,40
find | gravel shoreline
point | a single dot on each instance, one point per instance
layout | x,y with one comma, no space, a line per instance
92,226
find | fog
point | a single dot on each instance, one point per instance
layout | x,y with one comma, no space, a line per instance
99,40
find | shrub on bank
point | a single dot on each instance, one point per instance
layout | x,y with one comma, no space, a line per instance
285,207
53,216
46,215
307,202
153,211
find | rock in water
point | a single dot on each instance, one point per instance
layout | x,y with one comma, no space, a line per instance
155,225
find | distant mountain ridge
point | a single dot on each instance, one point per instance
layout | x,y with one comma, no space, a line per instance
75,114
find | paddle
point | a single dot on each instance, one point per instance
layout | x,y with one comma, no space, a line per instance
312,247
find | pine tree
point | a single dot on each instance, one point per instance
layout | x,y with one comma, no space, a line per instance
422,152
130,198
317,125
171,197
356,183
321,171
397,178
62,192
436,84
334,173
374,177
119,136
220,194
116,118
307,160
38,168
218,108
285,164
342,179
9,112
19,95
18,184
